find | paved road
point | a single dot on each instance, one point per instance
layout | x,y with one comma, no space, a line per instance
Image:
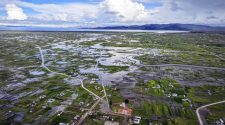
204,106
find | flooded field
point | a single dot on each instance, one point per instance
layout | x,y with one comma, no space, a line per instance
50,75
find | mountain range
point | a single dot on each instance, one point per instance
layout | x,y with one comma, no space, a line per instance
178,27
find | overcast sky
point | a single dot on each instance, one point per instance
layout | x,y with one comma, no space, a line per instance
86,13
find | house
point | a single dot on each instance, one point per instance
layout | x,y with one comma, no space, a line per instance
62,94
156,87
63,124
60,113
125,111
174,94
50,100
209,92
186,100
220,122
76,117
42,97
137,120
111,123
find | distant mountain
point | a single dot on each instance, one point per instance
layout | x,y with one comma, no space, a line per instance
175,27
179,27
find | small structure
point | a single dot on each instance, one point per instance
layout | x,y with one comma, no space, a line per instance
76,117
60,113
111,123
42,97
137,120
62,94
220,122
63,123
125,111
174,95
209,92
50,100
156,87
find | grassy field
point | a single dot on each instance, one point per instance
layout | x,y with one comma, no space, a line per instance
160,100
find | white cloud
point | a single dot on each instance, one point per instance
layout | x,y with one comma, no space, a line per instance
191,11
115,12
14,12
126,10
62,12
32,24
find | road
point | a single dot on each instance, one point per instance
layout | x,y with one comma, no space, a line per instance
82,85
204,106
46,68
182,65
99,98
89,111
100,77
134,61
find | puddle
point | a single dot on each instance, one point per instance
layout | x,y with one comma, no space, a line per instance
36,72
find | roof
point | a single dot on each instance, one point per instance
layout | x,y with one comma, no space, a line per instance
111,123
125,111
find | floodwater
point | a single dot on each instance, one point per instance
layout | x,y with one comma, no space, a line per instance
120,56
86,30
108,56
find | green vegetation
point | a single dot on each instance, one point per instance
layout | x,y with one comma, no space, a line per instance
216,113
94,120
114,69
164,87
193,49
165,114
184,58
63,118
206,94
96,88
91,43
158,99
115,96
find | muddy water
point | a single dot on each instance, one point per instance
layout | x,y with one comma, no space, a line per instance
116,56
109,56
120,56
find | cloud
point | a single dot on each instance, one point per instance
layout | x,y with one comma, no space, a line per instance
126,10
189,11
113,12
33,24
14,12
62,12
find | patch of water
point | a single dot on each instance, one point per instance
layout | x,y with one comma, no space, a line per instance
36,72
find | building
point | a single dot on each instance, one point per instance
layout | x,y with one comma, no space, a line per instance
137,120
111,123
125,111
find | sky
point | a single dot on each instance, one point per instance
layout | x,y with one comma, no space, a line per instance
93,13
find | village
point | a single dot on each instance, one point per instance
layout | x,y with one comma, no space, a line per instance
103,78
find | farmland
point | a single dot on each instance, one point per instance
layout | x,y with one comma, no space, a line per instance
58,77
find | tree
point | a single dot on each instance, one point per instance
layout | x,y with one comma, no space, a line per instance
110,102
126,101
